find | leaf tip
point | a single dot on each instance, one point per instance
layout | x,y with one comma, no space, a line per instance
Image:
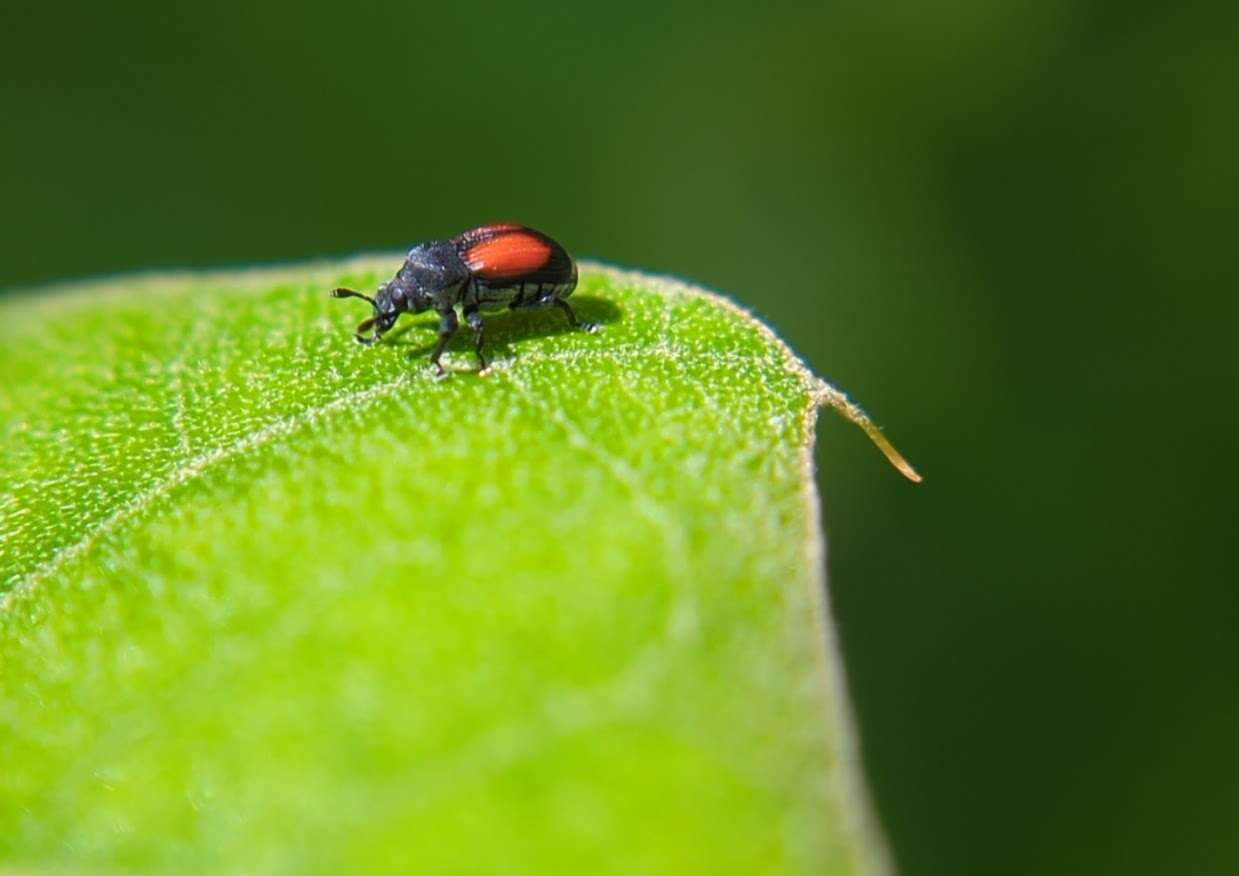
829,396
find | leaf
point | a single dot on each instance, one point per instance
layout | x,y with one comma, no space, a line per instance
277,602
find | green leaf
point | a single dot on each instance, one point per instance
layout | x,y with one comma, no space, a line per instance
274,602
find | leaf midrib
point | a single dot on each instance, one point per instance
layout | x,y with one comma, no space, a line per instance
188,470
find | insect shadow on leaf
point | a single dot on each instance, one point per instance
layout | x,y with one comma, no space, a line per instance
508,327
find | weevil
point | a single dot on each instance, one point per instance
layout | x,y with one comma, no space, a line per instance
493,267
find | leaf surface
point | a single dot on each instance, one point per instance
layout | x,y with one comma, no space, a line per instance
274,602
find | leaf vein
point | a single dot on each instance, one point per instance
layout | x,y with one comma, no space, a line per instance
187,472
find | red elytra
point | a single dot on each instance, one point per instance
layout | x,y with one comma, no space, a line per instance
498,253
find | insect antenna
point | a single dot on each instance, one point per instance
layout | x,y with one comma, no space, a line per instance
364,326
350,293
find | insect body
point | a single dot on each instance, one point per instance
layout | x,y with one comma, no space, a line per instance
493,267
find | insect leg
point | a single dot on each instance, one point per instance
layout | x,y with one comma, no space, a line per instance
474,319
447,328
572,320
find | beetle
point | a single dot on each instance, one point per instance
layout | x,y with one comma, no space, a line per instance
492,267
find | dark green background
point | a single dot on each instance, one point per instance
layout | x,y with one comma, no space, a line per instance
1007,228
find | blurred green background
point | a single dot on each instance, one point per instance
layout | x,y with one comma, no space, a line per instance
1006,228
